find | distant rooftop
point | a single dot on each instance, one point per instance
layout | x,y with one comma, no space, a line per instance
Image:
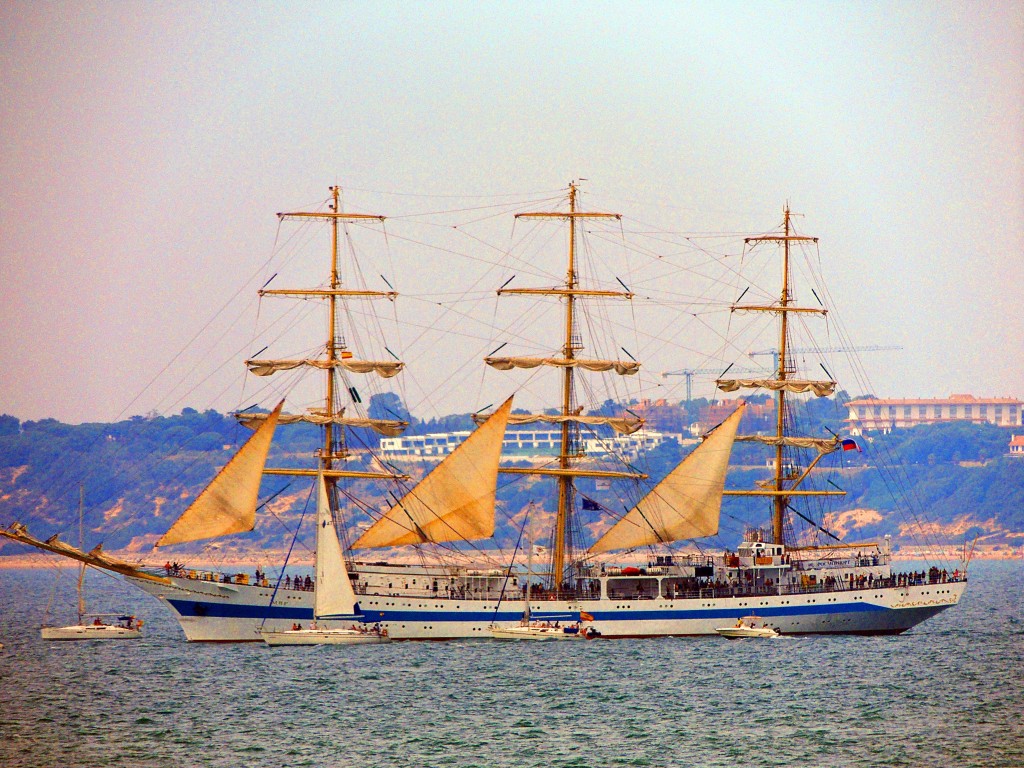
958,398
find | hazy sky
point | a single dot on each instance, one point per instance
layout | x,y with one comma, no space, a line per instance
146,147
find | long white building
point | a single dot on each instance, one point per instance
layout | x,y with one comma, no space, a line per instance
875,413
520,442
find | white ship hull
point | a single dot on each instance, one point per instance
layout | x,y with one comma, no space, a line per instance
214,612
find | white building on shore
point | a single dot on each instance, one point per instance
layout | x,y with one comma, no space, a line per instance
875,413
522,443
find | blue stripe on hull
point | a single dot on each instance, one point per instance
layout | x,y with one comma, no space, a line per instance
242,611
239,611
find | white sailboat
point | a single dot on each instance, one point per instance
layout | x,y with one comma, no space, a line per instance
528,629
126,628
333,596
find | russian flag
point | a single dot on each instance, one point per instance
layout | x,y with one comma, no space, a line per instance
849,444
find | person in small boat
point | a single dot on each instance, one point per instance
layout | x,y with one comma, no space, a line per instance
739,623
97,622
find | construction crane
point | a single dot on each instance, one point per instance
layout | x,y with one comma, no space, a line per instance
689,373
810,350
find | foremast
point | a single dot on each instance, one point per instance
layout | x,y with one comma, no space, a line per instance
336,356
786,482
569,420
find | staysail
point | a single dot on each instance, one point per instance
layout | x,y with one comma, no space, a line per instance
686,504
228,503
334,596
455,502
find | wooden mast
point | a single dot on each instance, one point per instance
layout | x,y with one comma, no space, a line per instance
565,482
332,343
333,351
779,493
81,545
572,343
781,501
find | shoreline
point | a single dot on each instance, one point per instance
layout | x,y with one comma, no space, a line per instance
247,561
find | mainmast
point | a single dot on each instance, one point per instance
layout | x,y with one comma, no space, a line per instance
81,545
336,356
569,420
785,481
781,373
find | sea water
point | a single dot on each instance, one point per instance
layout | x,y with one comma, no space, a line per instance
948,693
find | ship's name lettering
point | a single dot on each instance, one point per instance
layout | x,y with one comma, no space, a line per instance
922,603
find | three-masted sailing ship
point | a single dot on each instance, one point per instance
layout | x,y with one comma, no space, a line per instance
831,588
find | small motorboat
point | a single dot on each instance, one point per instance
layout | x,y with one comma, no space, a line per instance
747,627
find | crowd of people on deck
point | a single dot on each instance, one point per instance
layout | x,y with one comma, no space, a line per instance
677,589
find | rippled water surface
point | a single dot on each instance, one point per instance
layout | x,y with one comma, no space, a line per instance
949,693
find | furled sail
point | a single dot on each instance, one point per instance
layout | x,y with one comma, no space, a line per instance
686,504
334,596
822,444
455,502
621,367
383,368
386,427
622,425
228,503
819,388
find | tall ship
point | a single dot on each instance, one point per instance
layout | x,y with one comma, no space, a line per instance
634,578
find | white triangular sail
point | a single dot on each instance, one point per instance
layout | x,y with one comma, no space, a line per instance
228,503
455,502
333,594
686,504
